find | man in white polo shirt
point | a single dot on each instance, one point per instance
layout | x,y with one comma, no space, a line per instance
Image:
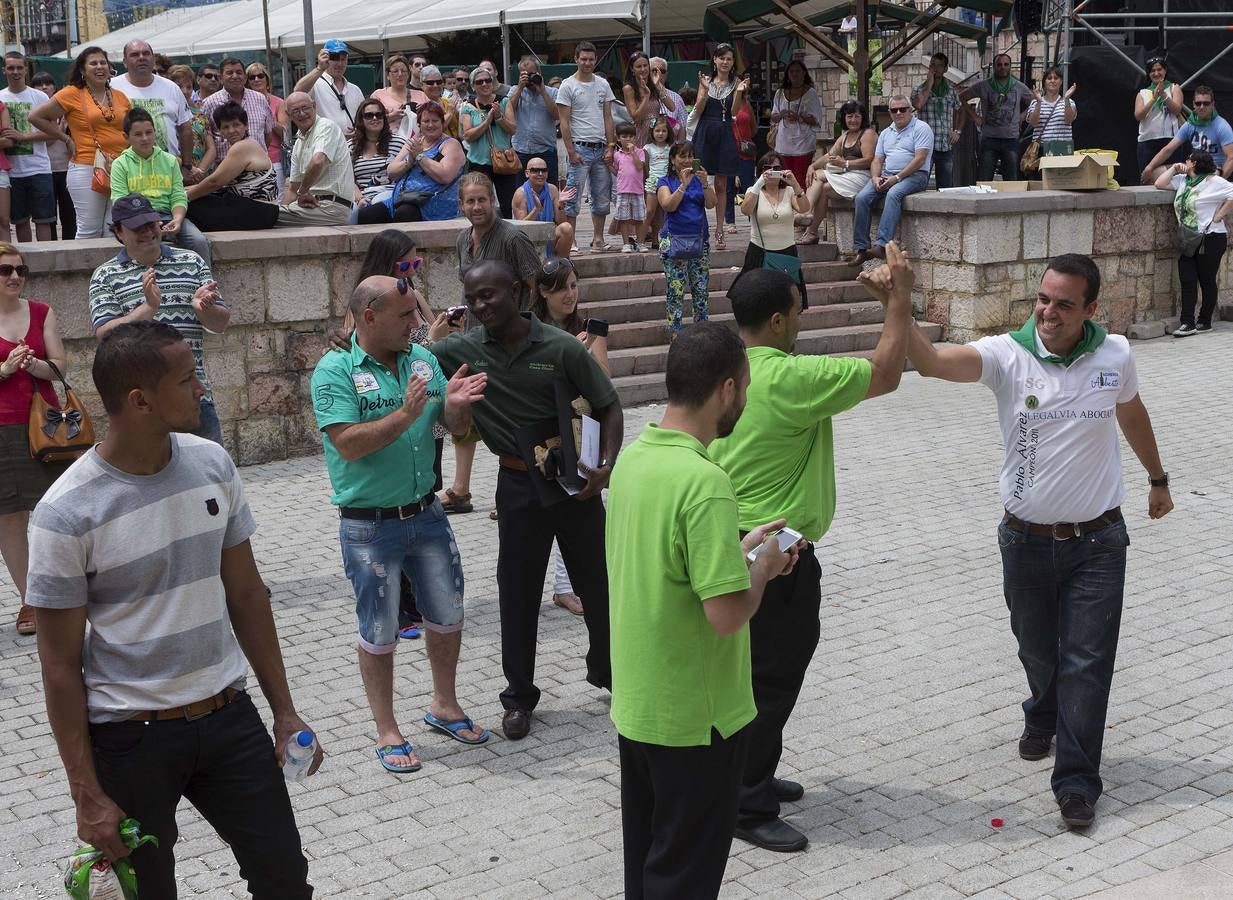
1061,384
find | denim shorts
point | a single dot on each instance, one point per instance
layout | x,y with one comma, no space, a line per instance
376,553
32,197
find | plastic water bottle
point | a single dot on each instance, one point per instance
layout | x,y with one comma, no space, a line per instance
301,749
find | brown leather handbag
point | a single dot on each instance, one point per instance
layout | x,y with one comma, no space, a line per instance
59,434
506,162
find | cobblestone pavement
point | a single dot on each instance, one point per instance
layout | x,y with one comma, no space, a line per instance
904,737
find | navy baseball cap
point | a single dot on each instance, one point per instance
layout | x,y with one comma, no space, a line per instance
334,45
133,211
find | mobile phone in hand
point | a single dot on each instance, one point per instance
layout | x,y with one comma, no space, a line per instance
697,166
786,537
597,327
455,314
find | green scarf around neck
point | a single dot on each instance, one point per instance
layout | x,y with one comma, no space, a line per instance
1093,337
1002,88
942,88
1184,202
1199,122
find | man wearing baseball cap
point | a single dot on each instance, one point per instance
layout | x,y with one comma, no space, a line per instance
148,280
337,98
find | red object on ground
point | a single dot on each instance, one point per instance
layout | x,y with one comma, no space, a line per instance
996,823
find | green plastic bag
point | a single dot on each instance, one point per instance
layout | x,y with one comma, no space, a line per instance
89,876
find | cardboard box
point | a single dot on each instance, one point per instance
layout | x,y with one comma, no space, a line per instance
1086,172
1012,187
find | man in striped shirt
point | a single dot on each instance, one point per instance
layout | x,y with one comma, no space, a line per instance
146,538
149,280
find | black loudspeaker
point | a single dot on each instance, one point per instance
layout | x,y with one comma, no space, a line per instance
1106,103
1028,15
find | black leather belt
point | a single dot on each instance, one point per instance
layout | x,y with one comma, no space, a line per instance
591,144
1064,531
388,512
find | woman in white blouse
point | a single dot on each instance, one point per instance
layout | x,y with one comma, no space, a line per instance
796,113
1157,108
771,204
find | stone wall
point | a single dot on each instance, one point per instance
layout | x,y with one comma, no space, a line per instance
979,258
284,288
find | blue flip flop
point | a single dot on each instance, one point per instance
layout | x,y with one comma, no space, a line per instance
403,749
452,728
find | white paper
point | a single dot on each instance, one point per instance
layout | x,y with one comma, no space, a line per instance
589,454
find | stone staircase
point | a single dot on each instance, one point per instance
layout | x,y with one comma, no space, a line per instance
627,290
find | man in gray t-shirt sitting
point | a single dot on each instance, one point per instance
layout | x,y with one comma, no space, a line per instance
146,538
1004,101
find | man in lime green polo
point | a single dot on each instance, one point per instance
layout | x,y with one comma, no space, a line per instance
681,596
376,405
781,458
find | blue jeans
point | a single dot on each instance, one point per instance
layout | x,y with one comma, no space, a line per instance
994,150
596,170
869,199
548,156
1065,602
208,426
192,238
943,174
376,552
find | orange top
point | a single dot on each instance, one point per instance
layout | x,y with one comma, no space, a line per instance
87,123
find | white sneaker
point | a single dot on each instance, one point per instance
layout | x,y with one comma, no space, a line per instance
628,248
1184,331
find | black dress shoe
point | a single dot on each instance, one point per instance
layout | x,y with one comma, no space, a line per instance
776,835
516,724
787,791
1077,813
1034,746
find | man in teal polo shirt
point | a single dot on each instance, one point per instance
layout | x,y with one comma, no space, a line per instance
376,405
682,594
781,458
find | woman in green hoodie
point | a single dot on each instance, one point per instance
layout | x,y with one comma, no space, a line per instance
155,174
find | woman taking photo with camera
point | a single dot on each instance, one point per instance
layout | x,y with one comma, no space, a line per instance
771,203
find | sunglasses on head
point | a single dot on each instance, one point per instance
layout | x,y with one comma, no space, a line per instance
555,264
6,270
405,265
400,285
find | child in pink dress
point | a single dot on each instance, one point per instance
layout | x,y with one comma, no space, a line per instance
629,163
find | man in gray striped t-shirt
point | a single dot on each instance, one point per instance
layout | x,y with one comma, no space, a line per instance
146,538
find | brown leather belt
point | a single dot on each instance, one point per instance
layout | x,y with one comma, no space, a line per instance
189,712
512,462
1064,531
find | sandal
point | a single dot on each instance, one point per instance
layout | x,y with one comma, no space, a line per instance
492,514
568,602
403,749
720,242
809,237
25,620
456,503
452,728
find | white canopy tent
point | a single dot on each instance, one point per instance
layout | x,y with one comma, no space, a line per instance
237,25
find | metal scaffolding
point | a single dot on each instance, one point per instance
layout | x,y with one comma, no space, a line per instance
1062,18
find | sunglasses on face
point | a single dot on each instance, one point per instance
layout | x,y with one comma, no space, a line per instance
1202,103
413,265
899,109
258,76
434,81
6,270
209,76
374,116
482,81
538,170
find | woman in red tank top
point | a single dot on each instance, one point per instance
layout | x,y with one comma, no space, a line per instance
29,337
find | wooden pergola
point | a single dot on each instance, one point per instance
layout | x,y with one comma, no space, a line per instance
769,19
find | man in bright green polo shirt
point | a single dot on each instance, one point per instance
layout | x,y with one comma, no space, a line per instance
781,458
376,405
681,595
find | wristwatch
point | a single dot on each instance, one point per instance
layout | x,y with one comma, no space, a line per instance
1162,481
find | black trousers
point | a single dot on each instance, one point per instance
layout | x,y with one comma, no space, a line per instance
783,635
224,765
526,529
64,205
1195,272
678,813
